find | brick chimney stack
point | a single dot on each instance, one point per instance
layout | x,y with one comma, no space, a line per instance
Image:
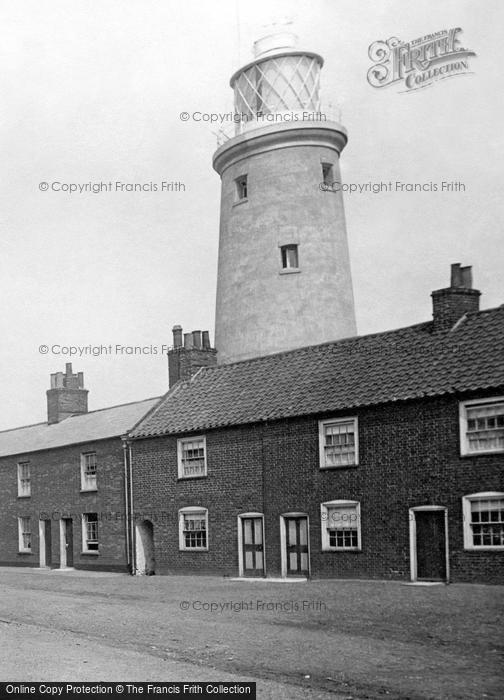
451,303
67,395
190,352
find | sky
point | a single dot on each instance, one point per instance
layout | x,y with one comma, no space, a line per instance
92,92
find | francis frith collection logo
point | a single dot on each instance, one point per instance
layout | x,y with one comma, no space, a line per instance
418,63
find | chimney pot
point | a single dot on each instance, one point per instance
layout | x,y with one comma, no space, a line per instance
68,369
206,340
196,339
177,336
466,277
455,277
188,341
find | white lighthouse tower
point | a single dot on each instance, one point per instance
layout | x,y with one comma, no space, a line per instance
284,273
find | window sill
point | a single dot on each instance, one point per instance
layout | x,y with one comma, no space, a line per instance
93,490
341,549
27,495
194,549
25,551
90,554
482,453
289,271
240,201
496,548
324,468
191,478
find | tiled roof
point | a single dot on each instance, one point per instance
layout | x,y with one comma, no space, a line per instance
95,425
392,366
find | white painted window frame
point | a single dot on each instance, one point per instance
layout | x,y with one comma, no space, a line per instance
466,517
23,492
464,443
180,451
192,510
84,521
21,548
284,247
324,519
329,421
85,482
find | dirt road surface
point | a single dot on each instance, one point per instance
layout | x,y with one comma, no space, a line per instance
321,639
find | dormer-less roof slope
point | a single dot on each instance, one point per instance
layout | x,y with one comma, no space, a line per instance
396,365
88,427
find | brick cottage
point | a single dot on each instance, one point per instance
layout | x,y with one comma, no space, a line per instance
62,483
378,456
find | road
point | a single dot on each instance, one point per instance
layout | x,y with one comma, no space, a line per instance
321,639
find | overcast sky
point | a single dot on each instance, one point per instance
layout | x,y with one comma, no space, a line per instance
92,92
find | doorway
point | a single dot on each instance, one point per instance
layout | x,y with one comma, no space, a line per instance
66,543
294,529
251,545
45,544
145,557
429,558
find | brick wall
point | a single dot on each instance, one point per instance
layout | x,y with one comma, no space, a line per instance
409,456
56,492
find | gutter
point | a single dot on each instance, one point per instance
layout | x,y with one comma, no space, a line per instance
126,502
131,523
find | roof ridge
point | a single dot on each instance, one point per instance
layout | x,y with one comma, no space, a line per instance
348,339
78,415
119,405
22,427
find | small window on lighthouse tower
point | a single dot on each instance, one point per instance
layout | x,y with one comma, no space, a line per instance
327,174
241,187
290,259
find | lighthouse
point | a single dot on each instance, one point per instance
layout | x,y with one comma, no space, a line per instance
284,278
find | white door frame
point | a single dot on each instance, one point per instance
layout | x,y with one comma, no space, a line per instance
63,551
42,544
283,540
141,553
240,541
413,542
62,534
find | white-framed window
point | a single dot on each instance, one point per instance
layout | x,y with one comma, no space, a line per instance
341,525
191,457
482,426
338,443
483,520
24,483
90,532
289,256
193,529
241,187
24,530
88,471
